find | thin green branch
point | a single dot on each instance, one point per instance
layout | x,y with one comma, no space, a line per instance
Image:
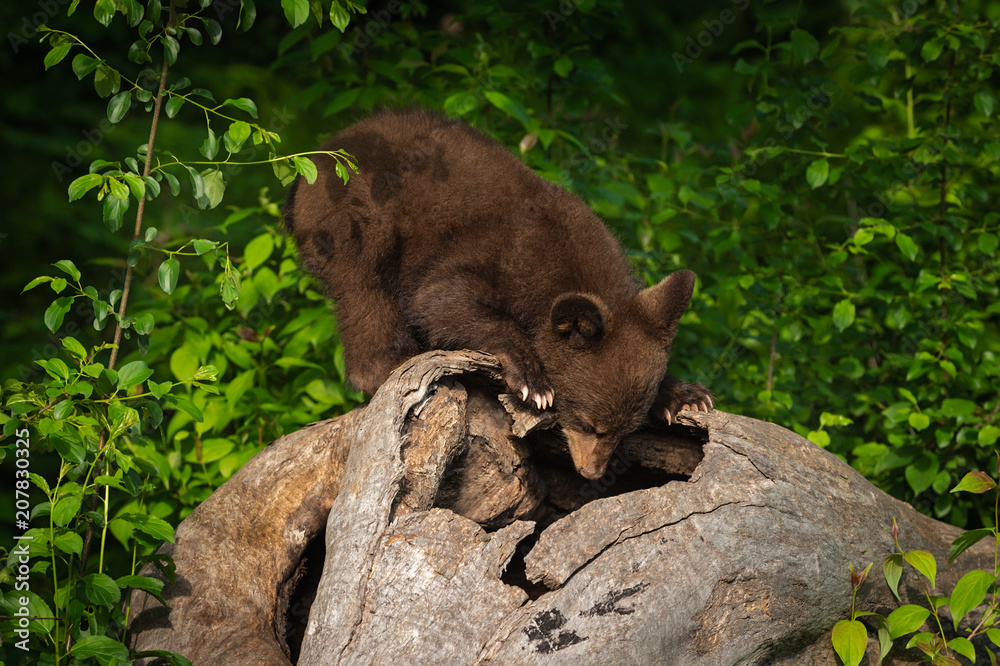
157,105
336,154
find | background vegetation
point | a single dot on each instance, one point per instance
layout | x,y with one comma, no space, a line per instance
829,172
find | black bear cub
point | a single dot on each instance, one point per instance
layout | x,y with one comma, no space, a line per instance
445,240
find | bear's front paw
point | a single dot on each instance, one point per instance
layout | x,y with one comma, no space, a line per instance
527,381
681,396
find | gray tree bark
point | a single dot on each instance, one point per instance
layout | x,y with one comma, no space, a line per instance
457,532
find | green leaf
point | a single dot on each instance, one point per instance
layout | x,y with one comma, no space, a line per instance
955,407
197,182
459,104
40,481
68,267
975,482
817,173
106,80
306,167
244,104
509,106
239,385
69,542
213,29
238,132
159,389
231,288
143,324
906,619
922,561
967,540
828,419
65,509
988,435
248,13
843,314
918,421
985,102
922,472
820,438
892,569
173,105
151,525
36,608
296,11
804,46
284,172
104,11
151,585
83,65
114,211
339,16
931,49
186,406
988,243
123,418
343,100
105,650
969,592
57,53
84,184
258,251
906,246
167,274
117,188
171,48
850,638
863,236
206,373
54,314
215,189
963,646
119,105
211,450
102,589
884,637
201,246
175,185
62,410
113,481
55,367
133,374
139,186
210,148
41,279
563,66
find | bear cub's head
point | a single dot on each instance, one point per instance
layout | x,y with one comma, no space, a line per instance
606,364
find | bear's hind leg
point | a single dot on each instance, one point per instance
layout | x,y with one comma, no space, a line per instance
376,338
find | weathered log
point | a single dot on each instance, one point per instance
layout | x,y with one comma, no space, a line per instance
450,540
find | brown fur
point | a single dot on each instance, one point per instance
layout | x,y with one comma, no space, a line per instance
446,241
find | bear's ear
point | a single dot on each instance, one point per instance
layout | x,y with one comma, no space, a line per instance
667,301
578,319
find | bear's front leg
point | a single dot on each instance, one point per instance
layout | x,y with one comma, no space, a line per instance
459,314
675,395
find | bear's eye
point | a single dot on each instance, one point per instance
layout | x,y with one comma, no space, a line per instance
586,428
